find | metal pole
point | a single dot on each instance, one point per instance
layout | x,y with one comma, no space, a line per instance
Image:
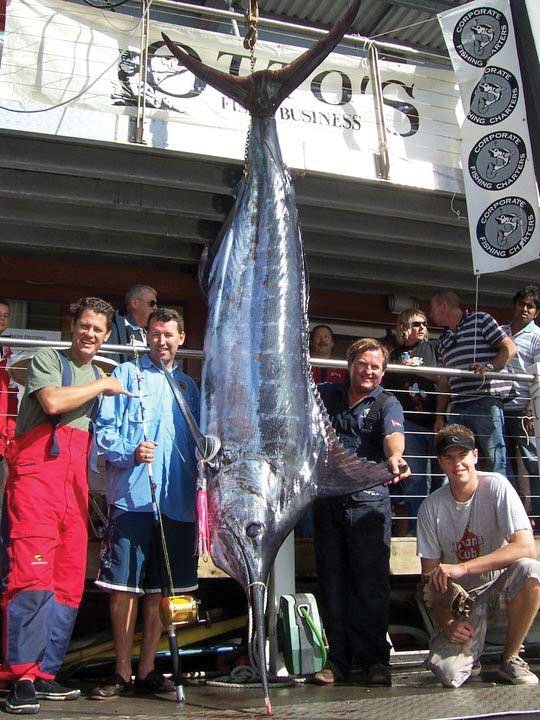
271,23
384,159
143,72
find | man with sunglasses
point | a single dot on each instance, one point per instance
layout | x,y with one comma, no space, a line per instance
140,301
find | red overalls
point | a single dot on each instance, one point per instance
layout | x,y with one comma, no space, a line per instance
44,537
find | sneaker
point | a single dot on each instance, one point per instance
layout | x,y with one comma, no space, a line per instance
379,674
111,689
327,676
516,670
22,699
154,682
51,690
476,669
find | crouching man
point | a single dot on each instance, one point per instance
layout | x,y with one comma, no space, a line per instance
475,532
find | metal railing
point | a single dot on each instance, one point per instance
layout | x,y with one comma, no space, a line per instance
524,482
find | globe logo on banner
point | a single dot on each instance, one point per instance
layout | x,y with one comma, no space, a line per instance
479,34
497,160
494,97
505,227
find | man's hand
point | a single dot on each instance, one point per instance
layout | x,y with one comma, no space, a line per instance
480,368
438,577
113,386
145,452
399,469
458,631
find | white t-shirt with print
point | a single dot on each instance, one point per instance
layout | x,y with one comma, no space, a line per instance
459,531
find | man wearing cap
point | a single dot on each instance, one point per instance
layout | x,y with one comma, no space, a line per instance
475,533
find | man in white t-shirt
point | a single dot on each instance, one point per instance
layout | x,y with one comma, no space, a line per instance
475,532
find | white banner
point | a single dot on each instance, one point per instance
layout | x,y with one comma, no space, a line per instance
81,67
500,186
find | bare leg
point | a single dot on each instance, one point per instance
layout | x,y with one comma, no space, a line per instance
522,610
123,608
152,630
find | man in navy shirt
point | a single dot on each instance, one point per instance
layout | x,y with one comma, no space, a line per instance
352,533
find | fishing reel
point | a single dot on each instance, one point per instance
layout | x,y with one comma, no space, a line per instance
179,610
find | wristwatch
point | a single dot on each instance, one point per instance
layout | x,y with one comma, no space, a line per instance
489,366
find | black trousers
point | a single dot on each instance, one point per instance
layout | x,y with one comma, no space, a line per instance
352,549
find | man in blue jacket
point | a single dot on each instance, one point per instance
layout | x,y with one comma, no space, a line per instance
147,431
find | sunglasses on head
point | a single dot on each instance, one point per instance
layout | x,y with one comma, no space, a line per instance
151,303
418,323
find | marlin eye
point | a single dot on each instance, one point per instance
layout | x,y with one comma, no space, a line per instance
253,530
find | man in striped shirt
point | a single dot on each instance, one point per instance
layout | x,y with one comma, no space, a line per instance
473,341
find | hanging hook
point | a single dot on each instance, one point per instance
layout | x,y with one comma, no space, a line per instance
252,20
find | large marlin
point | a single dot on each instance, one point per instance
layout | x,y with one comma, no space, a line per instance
278,449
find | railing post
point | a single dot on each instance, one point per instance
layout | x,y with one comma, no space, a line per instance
535,402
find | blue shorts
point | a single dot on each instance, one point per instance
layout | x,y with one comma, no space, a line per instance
129,559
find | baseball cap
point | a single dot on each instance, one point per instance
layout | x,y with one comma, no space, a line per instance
455,440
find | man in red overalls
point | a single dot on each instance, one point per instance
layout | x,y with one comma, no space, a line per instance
44,523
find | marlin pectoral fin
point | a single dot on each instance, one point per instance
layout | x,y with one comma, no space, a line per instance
294,74
236,88
346,473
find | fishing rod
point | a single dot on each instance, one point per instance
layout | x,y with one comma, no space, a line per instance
173,610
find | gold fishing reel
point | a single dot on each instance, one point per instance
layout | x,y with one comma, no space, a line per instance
179,610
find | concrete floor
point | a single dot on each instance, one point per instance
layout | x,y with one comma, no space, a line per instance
415,695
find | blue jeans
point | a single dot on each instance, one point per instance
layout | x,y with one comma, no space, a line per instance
352,549
519,445
485,418
420,454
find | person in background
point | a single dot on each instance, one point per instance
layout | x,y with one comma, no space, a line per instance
474,531
140,301
473,341
321,345
44,525
417,395
518,415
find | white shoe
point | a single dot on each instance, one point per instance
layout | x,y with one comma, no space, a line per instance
516,670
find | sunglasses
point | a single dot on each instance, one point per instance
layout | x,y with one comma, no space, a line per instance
151,303
418,323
